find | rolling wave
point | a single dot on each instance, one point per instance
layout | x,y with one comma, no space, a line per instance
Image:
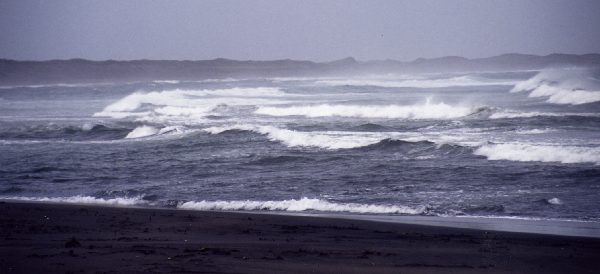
303,204
147,131
418,111
84,200
540,153
568,86
292,138
188,103
334,140
508,114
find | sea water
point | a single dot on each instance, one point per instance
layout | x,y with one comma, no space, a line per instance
520,144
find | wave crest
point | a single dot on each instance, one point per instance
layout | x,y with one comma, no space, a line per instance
292,138
540,153
568,86
147,131
303,204
187,103
84,200
418,111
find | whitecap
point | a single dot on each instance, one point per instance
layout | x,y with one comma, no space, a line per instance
566,86
292,138
192,104
303,204
555,201
142,131
427,110
539,153
125,201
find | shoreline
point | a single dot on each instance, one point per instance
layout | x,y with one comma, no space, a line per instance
59,238
557,227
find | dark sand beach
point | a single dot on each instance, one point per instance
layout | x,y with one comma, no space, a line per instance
58,238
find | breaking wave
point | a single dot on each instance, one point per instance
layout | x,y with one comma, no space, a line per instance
554,201
540,153
142,131
84,200
147,131
410,147
508,114
427,110
292,138
303,204
567,86
187,103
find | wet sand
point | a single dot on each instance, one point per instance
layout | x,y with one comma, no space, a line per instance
58,238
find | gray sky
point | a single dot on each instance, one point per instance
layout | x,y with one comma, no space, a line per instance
308,30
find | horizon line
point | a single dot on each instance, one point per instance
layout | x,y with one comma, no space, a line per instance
296,60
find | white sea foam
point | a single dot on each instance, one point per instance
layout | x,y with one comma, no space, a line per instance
555,201
534,131
166,81
303,204
292,138
84,200
517,114
459,81
174,130
87,126
142,131
418,111
567,86
540,153
147,131
187,103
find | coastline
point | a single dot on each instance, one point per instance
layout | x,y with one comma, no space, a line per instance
558,227
59,238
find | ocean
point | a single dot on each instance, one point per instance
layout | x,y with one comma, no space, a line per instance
517,144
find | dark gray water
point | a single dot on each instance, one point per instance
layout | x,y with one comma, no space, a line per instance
518,144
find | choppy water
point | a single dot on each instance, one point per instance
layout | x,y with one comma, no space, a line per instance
519,144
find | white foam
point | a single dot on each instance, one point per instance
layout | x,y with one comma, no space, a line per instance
142,131
540,153
173,130
87,127
418,111
534,131
517,114
292,138
302,204
459,81
567,86
84,200
555,201
166,81
187,103
574,97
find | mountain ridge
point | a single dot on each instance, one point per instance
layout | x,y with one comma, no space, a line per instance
77,70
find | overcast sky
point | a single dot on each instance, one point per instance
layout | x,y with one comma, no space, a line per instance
307,30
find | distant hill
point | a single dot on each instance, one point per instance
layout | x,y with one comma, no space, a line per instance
85,71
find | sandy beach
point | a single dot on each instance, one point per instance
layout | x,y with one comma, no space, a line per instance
59,238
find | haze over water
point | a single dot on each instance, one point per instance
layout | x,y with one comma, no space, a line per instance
520,144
